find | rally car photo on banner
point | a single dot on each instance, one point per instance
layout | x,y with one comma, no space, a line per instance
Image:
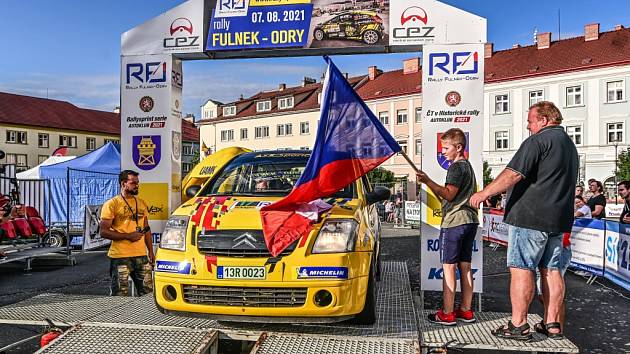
213,259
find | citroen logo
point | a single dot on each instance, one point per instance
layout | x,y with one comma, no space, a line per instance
244,239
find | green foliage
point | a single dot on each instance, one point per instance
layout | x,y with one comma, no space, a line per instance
487,173
194,160
623,165
380,175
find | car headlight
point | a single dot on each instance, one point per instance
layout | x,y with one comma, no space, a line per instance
174,235
336,236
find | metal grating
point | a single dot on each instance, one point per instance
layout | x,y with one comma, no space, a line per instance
109,340
244,296
281,344
62,308
478,336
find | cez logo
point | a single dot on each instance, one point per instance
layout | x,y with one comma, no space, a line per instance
458,63
154,72
181,32
436,273
413,24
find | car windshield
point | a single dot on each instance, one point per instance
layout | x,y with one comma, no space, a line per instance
264,174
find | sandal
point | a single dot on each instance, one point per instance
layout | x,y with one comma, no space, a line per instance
521,332
556,336
540,328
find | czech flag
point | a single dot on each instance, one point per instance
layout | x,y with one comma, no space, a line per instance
350,142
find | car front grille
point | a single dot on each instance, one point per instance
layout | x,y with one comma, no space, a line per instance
236,243
244,297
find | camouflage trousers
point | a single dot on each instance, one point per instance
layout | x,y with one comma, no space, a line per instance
138,268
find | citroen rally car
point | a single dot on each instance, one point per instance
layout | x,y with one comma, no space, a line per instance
213,261
361,25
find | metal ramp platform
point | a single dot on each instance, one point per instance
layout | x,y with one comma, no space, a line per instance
477,335
107,340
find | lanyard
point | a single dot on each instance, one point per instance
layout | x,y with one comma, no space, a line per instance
135,215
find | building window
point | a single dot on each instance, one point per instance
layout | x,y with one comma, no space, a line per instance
403,145
68,141
401,116
284,129
243,133
186,167
501,140
384,118
419,115
286,102
263,106
90,144
229,111
115,141
575,133
19,160
42,140
418,147
227,135
615,91
41,158
535,97
615,133
574,96
305,128
501,104
261,132
187,150
16,137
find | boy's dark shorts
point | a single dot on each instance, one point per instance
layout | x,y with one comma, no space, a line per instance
456,243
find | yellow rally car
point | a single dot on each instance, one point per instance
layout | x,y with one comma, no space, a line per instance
213,261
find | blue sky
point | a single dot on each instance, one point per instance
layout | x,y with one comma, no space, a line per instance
70,49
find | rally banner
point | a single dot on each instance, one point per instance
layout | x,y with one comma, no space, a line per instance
412,212
452,88
272,24
617,261
587,245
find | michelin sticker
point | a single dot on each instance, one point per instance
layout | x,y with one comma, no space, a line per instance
173,267
323,272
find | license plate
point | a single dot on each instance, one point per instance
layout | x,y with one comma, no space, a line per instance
256,273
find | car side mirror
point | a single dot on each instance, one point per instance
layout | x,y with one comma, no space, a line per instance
377,195
192,191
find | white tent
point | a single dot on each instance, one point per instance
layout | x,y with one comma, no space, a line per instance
33,173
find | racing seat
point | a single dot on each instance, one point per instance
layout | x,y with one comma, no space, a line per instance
23,228
9,230
38,226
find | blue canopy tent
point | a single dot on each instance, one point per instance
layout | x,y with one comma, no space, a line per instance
87,180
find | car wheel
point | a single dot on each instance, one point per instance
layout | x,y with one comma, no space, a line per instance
55,239
319,34
368,315
371,37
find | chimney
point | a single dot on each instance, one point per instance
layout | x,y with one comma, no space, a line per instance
543,40
117,109
411,66
591,32
488,50
308,80
619,27
281,87
372,72
516,46
241,98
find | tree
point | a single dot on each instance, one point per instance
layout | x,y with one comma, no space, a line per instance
487,173
381,175
623,165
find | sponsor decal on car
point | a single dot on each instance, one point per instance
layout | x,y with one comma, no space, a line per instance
172,267
322,272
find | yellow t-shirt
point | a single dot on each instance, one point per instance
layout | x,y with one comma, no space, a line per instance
123,221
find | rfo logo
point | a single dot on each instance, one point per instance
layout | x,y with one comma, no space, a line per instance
146,73
458,63
181,34
413,24
231,8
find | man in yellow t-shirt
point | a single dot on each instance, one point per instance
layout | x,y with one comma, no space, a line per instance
124,220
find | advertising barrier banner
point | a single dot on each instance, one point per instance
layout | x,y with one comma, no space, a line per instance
587,245
617,262
494,229
412,212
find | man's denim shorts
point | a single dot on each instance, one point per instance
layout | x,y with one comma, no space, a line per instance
566,261
530,249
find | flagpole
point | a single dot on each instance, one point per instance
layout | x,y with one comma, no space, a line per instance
404,154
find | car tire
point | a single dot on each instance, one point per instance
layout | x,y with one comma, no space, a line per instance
371,37
368,315
55,239
318,34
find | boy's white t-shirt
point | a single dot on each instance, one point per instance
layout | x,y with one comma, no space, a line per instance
586,211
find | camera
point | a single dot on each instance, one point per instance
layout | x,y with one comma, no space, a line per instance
142,231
